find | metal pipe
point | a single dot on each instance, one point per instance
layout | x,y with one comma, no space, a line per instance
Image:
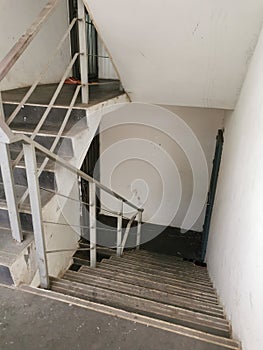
31,90
50,105
20,46
36,210
92,223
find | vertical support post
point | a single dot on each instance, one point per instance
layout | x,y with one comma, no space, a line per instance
93,224
2,113
36,211
83,49
139,229
9,187
119,230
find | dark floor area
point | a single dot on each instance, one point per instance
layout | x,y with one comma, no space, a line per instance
98,92
160,239
172,241
32,322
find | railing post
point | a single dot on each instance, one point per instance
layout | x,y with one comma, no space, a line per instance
83,49
139,229
93,224
119,231
36,211
9,187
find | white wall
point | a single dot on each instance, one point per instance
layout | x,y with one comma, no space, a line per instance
150,166
180,52
235,246
106,68
15,18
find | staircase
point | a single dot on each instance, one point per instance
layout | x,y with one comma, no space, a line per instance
157,286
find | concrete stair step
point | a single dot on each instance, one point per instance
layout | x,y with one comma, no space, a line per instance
19,192
187,318
163,258
175,263
149,283
24,210
192,274
102,251
46,179
144,292
159,275
64,147
181,337
29,116
25,219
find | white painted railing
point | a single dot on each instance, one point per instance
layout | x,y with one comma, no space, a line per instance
30,147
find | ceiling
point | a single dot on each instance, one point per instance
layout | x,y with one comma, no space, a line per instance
180,52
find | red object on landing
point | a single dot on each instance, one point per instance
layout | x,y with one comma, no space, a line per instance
73,81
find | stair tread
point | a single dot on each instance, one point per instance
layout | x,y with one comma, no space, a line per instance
175,263
146,292
19,191
173,314
29,116
179,270
148,282
156,276
158,256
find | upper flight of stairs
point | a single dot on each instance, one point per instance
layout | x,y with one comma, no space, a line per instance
160,287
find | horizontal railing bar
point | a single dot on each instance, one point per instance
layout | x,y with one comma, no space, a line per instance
100,56
57,138
33,87
78,249
79,226
116,214
64,196
66,250
17,50
50,105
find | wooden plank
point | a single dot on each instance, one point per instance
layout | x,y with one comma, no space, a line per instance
159,279
200,339
175,269
17,50
146,293
169,313
192,282
149,283
173,262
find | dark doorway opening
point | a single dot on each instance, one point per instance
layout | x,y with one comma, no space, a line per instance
91,166
92,43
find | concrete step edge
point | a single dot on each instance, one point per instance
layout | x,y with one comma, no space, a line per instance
225,343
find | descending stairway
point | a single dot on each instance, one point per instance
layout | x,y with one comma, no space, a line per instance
158,286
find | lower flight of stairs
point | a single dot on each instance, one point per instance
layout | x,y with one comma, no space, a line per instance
160,287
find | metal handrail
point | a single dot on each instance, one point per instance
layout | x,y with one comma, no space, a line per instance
30,147
20,46
37,81
60,161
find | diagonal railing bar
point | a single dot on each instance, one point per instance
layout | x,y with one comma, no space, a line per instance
17,50
30,147
126,234
50,105
60,161
37,81
56,141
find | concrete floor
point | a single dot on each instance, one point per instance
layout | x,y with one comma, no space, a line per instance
30,322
